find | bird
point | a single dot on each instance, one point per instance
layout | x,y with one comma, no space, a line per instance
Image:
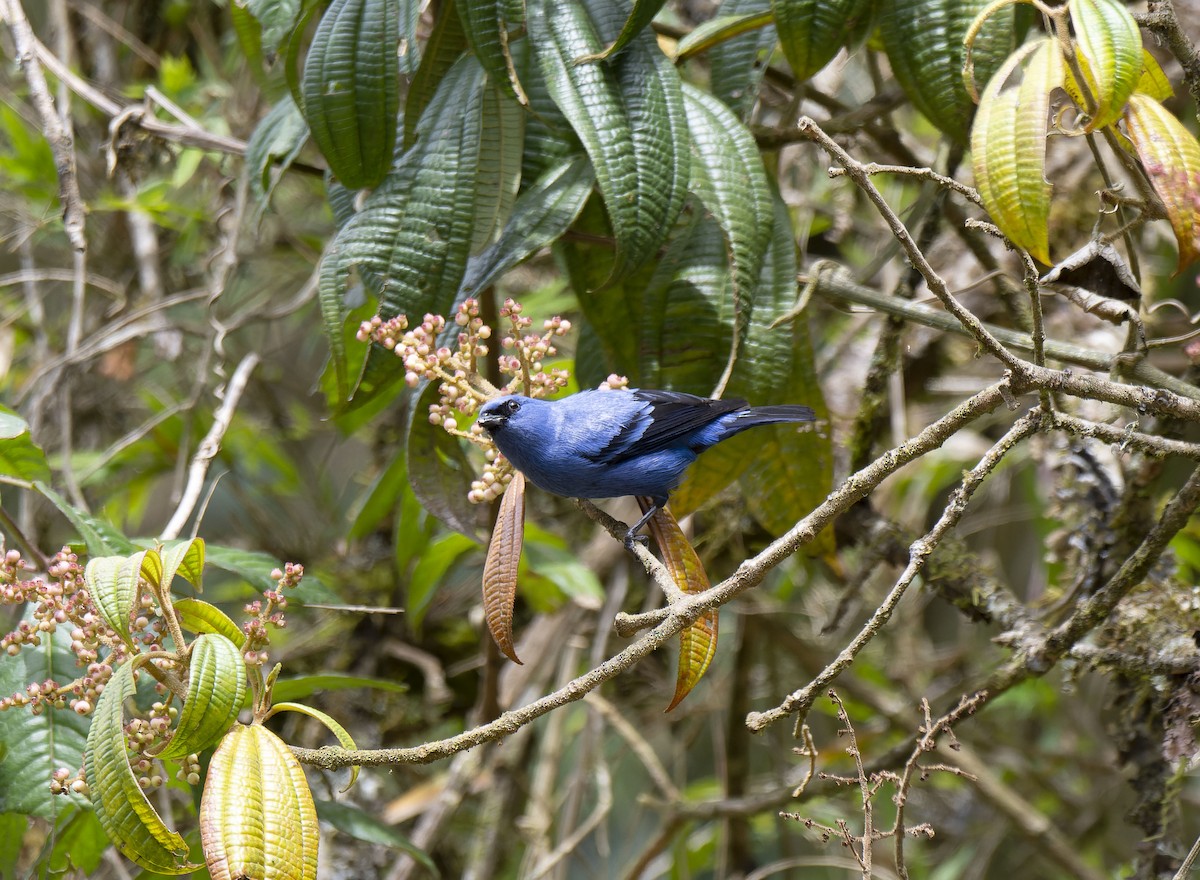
608,444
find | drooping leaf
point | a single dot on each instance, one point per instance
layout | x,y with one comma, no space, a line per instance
445,45
487,27
1008,147
1110,55
128,818
924,44
1171,156
198,616
698,642
20,457
737,65
216,692
100,537
275,144
640,16
498,177
351,89
257,817
718,30
541,215
628,113
500,569
331,724
812,31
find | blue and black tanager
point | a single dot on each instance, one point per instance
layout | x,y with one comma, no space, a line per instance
606,444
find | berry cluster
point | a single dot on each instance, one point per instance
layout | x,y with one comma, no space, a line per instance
264,615
463,388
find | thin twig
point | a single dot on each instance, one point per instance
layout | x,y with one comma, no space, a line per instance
210,446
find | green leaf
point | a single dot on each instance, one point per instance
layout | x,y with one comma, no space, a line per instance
924,44
216,692
442,50
100,537
379,499
351,91
77,846
277,18
737,65
629,115
363,826
498,177
1110,54
813,31
718,30
541,215
128,819
431,568
184,558
487,28
640,16
32,746
1008,148
411,240
343,735
277,140
198,616
255,568
20,457
112,582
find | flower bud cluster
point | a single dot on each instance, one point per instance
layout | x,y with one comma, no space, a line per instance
269,613
525,365
497,474
64,781
614,383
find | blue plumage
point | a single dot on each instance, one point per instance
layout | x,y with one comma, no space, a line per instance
606,444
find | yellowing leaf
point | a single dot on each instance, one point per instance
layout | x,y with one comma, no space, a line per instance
697,643
1110,54
257,817
1171,156
1153,81
1008,148
500,568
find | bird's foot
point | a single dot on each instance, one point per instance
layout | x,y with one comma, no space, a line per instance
631,538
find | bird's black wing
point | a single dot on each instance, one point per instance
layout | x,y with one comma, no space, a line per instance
672,416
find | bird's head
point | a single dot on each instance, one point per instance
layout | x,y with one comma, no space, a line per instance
495,414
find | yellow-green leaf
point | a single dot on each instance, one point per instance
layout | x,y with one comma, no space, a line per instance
1171,156
500,568
121,806
1008,148
183,558
697,643
1153,81
343,735
198,616
257,817
112,582
1110,55
216,691
718,30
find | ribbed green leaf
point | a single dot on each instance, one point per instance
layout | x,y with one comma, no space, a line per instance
276,142
499,174
184,558
737,65
1110,53
1153,81
351,89
541,215
411,240
924,44
812,31
198,616
487,28
446,43
716,31
1171,156
642,14
32,746
1008,147
121,805
629,115
112,582
20,457
440,472
216,691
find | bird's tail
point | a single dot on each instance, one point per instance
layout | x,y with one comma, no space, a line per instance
768,415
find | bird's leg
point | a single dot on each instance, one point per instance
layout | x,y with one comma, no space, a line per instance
632,535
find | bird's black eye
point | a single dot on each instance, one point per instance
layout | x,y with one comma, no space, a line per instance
510,407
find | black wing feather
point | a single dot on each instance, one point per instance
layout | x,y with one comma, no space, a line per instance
673,415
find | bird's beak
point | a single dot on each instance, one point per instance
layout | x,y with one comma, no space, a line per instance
490,421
